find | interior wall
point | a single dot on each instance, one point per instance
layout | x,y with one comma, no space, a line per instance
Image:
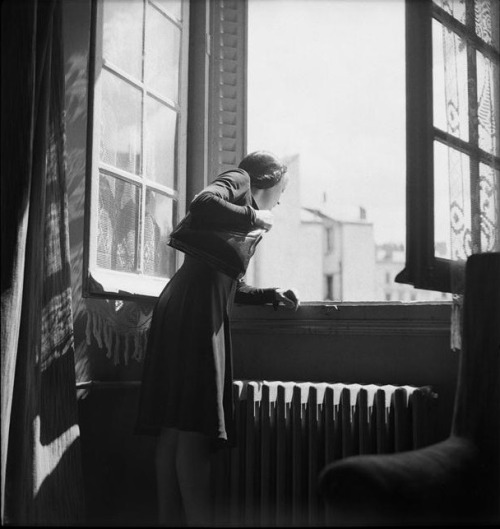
372,344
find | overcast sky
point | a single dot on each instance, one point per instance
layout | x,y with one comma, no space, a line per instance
326,80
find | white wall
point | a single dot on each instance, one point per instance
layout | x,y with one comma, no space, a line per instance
358,262
290,254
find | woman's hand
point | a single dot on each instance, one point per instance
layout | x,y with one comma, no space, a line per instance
264,219
289,298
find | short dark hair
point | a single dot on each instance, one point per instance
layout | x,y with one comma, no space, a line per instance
265,169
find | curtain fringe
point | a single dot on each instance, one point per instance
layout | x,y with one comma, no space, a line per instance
122,341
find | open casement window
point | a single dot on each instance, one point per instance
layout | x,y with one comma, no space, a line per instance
453,147
137,123
148,155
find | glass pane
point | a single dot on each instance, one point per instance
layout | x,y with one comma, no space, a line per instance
117,225
163,39
452,203
450,81
122,35
489,193
442,235
456,8
120,143
159,258
487,17
172,7
160,135
488,75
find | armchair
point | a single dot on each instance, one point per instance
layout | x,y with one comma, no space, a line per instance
457,480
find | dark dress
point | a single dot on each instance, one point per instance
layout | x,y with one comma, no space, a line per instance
187,375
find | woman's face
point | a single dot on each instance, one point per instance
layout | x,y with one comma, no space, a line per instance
269,198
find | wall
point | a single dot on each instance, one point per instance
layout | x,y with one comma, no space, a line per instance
373,343
358,262
288,254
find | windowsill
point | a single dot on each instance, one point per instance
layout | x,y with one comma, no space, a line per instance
345,318
102,283
314,317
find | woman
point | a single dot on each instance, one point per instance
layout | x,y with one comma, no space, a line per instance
186,391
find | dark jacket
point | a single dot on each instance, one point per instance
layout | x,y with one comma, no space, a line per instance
228,202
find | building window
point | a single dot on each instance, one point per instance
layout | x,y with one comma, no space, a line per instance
136,177
329,239
453,164
329,287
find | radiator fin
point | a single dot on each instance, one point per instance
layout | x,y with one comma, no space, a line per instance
288,431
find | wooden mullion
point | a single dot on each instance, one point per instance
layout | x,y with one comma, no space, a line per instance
93,132
466,32
467,148
166,15
419,145
142,206
475,199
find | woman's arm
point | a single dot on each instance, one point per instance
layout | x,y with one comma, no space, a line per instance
249,295
218,202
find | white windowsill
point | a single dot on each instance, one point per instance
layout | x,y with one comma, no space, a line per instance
114,284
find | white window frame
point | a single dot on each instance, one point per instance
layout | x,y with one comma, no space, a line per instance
98,281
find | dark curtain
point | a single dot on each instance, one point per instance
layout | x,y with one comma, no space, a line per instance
41,466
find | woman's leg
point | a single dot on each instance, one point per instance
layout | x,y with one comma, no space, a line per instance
193,471
169,496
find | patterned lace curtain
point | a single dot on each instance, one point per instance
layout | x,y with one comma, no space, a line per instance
472,113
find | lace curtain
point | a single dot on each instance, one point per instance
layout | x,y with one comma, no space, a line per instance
472,114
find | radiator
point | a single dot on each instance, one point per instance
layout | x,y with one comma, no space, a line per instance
287,432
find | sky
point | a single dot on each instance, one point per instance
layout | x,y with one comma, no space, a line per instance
326,79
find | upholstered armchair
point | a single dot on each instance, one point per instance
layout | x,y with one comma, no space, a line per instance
457,480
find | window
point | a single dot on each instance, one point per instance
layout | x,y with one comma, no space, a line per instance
329,239
329,287
149,156
452,134
344,138
138,112
335,112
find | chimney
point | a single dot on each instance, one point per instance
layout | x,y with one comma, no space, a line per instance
362,213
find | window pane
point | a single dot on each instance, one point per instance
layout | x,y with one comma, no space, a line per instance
160,135
162,54
172,7
456,8
120,144
451,107
489,196
488,75
452,203
338,122
122,35
487,16
117,226
159,258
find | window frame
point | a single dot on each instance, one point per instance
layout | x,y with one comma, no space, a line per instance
101,282
423,269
